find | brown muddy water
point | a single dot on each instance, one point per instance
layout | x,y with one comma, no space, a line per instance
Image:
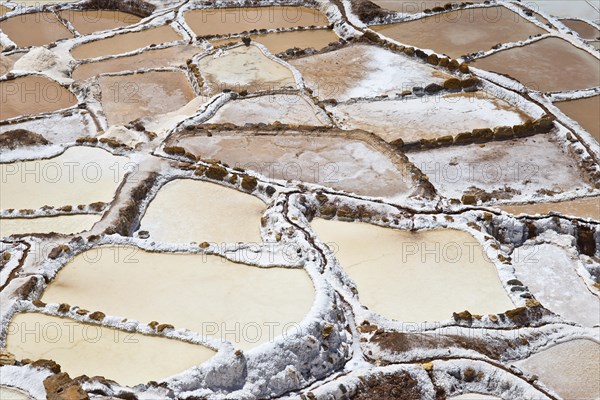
125,42
128,97
281,41
548,65
90,21
343,161
33,94
225,21
210,213
173,56
204,293
415,276
583,208
584,112
35,29
462,32
128,358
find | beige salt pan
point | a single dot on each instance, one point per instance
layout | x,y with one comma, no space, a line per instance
66,224
415,276
35,29
583,208
584,112
8,393
207,294
90,21
81,175
81,349
203,211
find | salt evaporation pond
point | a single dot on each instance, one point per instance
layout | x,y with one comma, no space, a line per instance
326,159
81,175
33,94
585,30
565,8
281,41
225,21
8,393
363,71
415,276
90,21
81,349
207,294
462,32
548,65
428,118
35,29
547,269
571,369
128,97
126,42
582,208
584,112
173,56
474,396
67,224
209,213
244,68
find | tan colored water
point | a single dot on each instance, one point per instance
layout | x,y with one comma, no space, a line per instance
585,30
35,29
209,212
287,109
90,21
409,6
329,160
173,56
81,175
583,208
415,276
281,41
584,112
64,224
244,68
226,21
571,369
4,10
33,94
7,62
8,393
462,32
548,65
128,97
206,294
80,349
125,42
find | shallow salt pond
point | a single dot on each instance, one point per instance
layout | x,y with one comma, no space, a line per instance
173,56
462,32
547,269
7,62
207,294
415,276
513,169
281,41
81,349
34,94
585,30
428,117
81,175
8,393
474,396
583,208
329,160
4,10
35,29
125,42
226,21
129,97
565,8
203,211
287,109
408,6
584,112
548,65
363,71
571,369
244,68
90,21
67,224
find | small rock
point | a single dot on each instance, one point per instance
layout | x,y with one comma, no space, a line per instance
7,358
